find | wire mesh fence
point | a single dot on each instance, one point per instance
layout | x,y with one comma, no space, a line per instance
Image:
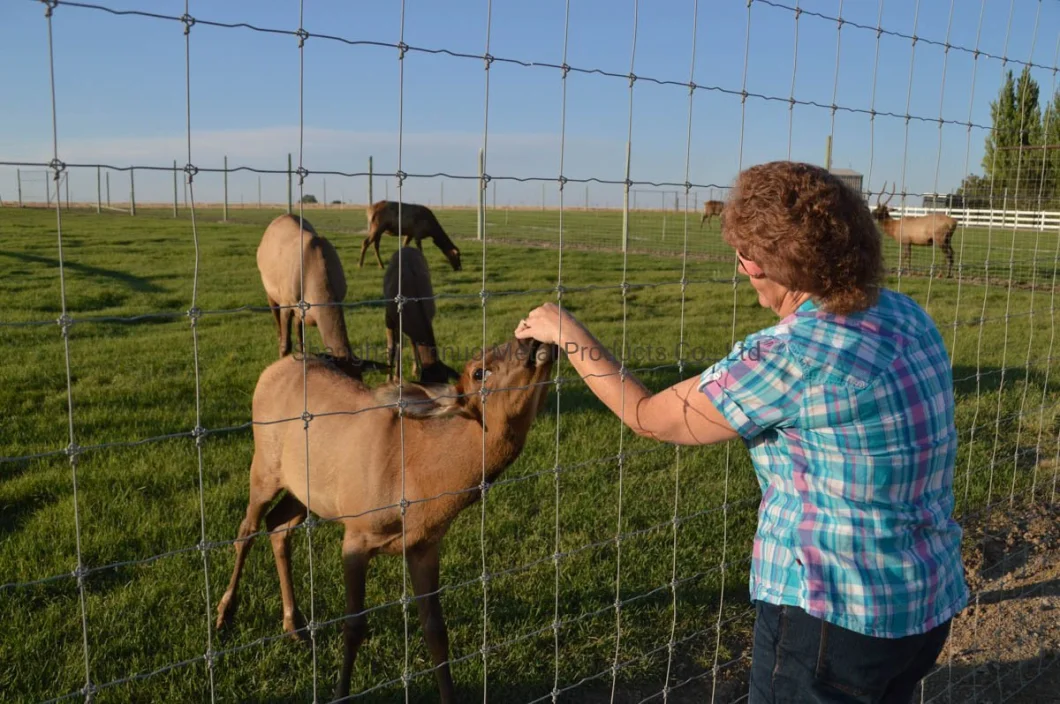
579,561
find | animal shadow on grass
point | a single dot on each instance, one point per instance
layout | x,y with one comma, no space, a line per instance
136,283
509,617
991,379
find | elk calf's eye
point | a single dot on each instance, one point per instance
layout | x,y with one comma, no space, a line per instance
481,374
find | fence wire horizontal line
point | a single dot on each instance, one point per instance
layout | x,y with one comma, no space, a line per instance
624,664
364,174
205,432
552,626
914,38
372,302
488,59
202,432
700,676
222,544
217,654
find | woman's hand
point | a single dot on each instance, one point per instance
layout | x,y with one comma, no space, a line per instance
543,324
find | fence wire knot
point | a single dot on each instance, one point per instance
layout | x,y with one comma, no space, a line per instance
302,36
560,290
304,305
49,5
210,656
64,321
194,313
199,433
483,295
79,573
57,166
306,416
485,179
401,176
188,21
489,60
72,451
562,181
565,69
632,79
89,690
191,170
302,173
402,48
692,86
203,547
483,487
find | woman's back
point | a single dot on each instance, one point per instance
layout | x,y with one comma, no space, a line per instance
849,421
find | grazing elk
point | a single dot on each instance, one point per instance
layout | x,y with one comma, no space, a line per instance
417,222
926,230
417,312
356,474
710,209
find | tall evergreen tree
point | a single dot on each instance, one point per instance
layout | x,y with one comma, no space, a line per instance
1051,140
1017,123
1004,133
1027,167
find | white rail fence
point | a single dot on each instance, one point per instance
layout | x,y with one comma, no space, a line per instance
969,217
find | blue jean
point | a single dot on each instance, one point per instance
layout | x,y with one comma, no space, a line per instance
800,659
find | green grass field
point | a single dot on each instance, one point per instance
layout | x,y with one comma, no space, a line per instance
135,379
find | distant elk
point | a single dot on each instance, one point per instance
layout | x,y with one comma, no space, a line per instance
924,231
710,209
416,222
297,264
414,318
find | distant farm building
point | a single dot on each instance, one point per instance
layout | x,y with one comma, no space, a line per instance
849,177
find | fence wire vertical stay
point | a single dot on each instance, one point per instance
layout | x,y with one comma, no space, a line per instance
194,313
905,144
303,350
1052,296
732,343
964,238
671,644
558,371
1022,99
872,104
1038,231
622,359
794,72
484,294
65,323
938,158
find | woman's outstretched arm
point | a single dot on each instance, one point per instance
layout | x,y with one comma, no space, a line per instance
679,414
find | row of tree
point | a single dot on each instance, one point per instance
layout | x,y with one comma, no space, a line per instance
1021,161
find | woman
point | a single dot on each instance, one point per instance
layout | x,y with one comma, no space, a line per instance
847,409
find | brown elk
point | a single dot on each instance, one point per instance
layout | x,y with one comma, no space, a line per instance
283,262
356,474
416,314
710,209
416,222
925,230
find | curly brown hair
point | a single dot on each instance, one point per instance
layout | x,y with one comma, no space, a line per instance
808,231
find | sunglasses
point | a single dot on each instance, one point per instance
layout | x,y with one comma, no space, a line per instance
749,267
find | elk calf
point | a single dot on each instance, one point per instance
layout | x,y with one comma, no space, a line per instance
925,230
356,475
285,256
417,314
710,209
416,222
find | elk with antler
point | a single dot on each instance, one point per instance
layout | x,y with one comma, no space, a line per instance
925,230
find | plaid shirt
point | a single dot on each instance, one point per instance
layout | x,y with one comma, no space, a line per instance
849,422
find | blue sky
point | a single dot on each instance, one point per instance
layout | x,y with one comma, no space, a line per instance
121,99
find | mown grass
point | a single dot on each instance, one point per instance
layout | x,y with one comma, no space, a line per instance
134,379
